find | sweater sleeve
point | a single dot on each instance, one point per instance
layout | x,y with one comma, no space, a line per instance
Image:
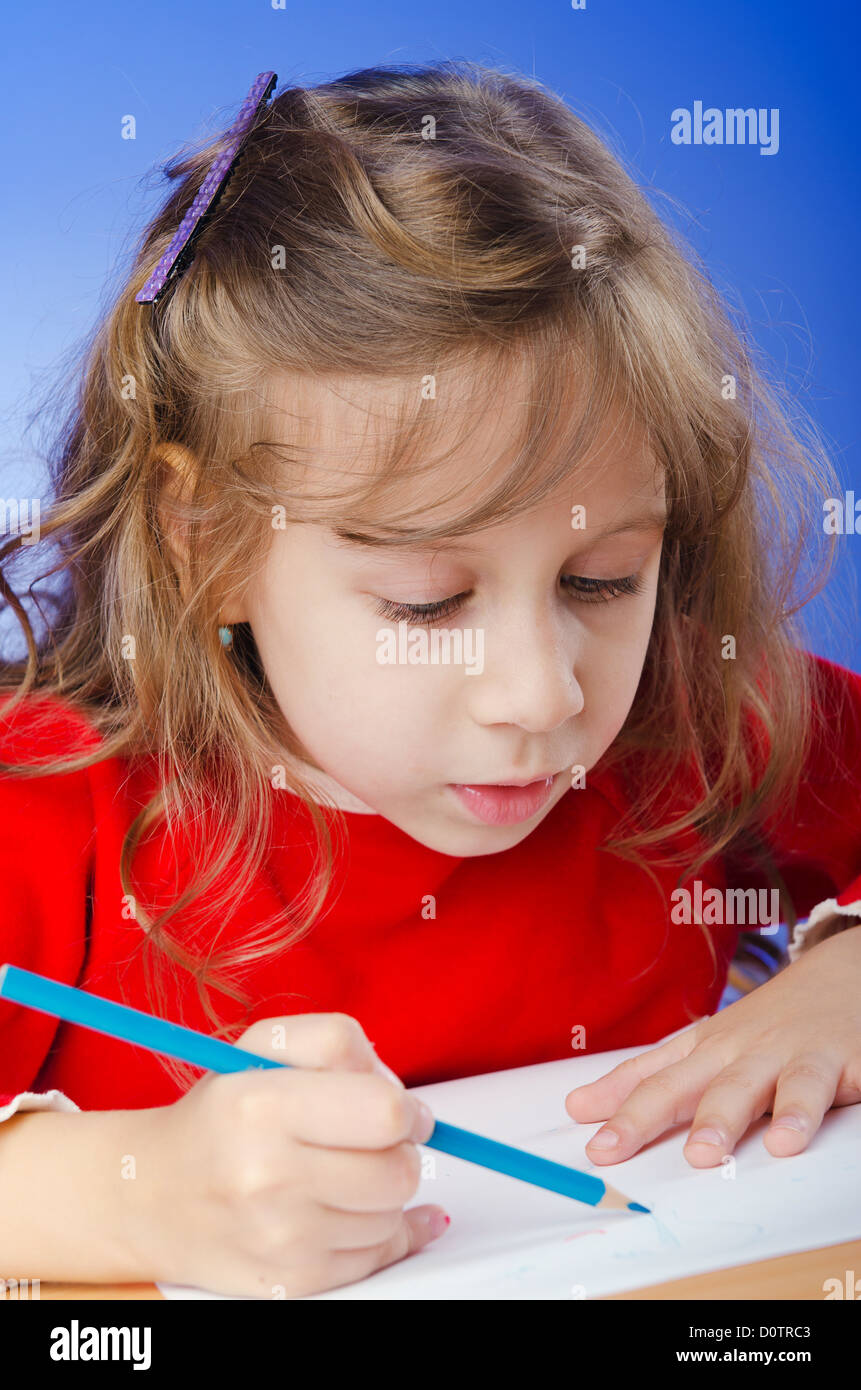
817,841
46,841
829,916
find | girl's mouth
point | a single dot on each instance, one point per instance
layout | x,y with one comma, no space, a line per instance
498,804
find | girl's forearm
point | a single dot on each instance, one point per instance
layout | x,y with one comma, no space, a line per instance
70,1207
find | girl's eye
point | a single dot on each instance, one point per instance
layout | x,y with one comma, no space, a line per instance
419,613
585,590
600,590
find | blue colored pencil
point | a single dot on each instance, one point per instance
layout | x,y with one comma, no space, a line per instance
141,1029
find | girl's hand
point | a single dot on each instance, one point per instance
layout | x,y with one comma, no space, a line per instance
280,1183
792,1047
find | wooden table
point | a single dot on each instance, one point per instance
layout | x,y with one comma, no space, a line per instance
789,1276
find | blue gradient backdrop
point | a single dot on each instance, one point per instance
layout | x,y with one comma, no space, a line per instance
778,233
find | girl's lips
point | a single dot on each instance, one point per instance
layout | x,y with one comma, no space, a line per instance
503,805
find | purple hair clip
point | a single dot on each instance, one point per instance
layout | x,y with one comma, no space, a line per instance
180,252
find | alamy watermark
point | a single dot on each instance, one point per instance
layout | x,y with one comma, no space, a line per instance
757,907
20,517
417,646
20,1289
77,1343
734,126
842,515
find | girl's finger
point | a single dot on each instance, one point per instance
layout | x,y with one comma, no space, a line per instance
805,1090
342,1230
596,1100
737,1096
662,1100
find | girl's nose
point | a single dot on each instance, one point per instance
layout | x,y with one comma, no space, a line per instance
528,678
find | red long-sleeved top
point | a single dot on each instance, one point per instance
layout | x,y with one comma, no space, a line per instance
453,966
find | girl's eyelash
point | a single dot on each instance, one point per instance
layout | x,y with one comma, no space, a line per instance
592,591
600,590
419,612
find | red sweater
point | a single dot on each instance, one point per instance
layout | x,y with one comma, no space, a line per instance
453,966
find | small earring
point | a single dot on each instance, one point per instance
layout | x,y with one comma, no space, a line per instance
226,635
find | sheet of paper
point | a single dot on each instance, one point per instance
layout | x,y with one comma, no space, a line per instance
510,1240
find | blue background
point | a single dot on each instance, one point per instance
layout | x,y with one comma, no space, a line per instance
778,233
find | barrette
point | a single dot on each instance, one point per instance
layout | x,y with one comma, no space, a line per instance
180,252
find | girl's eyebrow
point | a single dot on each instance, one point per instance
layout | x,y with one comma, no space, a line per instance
651,519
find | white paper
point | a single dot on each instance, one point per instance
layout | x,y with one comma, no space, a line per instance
510,1240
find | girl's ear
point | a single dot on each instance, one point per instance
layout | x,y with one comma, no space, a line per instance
178,467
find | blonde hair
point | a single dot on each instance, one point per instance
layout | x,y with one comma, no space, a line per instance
348,244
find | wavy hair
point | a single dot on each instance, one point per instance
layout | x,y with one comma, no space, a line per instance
411,221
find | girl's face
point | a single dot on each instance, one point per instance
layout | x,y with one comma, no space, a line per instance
525,671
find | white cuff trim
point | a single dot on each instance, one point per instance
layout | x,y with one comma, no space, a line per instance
33,1100
830,908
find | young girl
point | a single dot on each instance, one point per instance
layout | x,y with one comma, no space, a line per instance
424,686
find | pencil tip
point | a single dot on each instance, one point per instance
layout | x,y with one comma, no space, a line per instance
635,1206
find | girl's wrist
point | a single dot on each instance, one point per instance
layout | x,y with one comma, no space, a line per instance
69,1209
138,1211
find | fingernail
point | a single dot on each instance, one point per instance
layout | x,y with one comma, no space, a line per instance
790,1121
439,1222
604,1139
707,1136
424,1123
